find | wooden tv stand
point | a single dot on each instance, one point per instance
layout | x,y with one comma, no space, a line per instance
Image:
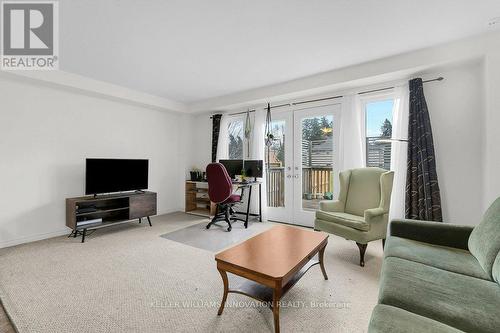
112,209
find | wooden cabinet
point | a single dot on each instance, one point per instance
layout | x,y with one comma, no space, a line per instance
197,201
142,205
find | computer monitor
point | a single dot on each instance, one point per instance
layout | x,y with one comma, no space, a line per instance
254,168
233,167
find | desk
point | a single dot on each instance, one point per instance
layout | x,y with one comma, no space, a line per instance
250,184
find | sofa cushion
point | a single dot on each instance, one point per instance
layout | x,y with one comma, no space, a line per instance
456,300
386,319
447,258
496,269
364,190
348,220
484,241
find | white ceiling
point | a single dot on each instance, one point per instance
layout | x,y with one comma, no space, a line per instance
191,50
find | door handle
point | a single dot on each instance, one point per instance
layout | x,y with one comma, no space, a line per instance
296,176
288,176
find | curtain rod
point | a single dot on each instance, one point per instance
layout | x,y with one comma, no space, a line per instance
290,104
326,98
388,88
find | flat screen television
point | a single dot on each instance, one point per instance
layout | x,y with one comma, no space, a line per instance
106,175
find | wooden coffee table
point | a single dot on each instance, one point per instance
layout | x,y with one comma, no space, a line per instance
271,263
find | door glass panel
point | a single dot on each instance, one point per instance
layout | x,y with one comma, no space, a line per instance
317,160
276,172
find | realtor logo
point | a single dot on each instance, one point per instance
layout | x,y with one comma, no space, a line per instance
29,37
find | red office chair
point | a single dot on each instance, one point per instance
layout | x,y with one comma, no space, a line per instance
220,191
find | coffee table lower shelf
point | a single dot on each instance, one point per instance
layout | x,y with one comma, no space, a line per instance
263,293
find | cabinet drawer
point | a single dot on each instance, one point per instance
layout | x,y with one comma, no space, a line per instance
142,205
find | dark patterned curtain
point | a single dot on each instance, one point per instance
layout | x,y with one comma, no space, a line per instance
423,200
215,135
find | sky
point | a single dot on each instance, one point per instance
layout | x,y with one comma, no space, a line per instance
376,113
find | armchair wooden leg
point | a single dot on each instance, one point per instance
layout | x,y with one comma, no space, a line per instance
362,250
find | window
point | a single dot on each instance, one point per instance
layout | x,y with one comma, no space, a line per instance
378,115
277,150
236,138
276,172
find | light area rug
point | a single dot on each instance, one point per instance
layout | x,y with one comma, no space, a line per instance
216,237
129,279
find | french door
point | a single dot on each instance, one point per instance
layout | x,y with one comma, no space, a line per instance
303,163
279,181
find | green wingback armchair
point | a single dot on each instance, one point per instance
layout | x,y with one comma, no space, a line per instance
362,211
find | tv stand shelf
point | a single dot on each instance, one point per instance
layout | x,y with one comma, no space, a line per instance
101,211
95,212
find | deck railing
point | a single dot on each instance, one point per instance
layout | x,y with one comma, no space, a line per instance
316,181
378,154
276,187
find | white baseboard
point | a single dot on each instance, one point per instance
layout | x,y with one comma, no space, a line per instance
171,210
65,231
33,238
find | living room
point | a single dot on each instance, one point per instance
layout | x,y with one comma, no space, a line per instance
250,166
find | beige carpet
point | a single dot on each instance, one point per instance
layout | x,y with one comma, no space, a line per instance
129,279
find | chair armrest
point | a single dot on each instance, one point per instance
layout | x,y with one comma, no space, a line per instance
331,206
438,233
374,212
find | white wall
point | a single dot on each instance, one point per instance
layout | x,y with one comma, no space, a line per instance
456,109
202,136
45,135
492,122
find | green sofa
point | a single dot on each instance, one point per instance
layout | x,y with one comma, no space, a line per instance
439,277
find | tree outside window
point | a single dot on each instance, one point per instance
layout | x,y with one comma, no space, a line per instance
317,128
236,136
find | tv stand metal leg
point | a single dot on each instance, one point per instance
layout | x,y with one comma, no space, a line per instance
75,233
140,220
149,220
83,235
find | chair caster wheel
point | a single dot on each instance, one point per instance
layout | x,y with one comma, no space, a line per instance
208,227
229,229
